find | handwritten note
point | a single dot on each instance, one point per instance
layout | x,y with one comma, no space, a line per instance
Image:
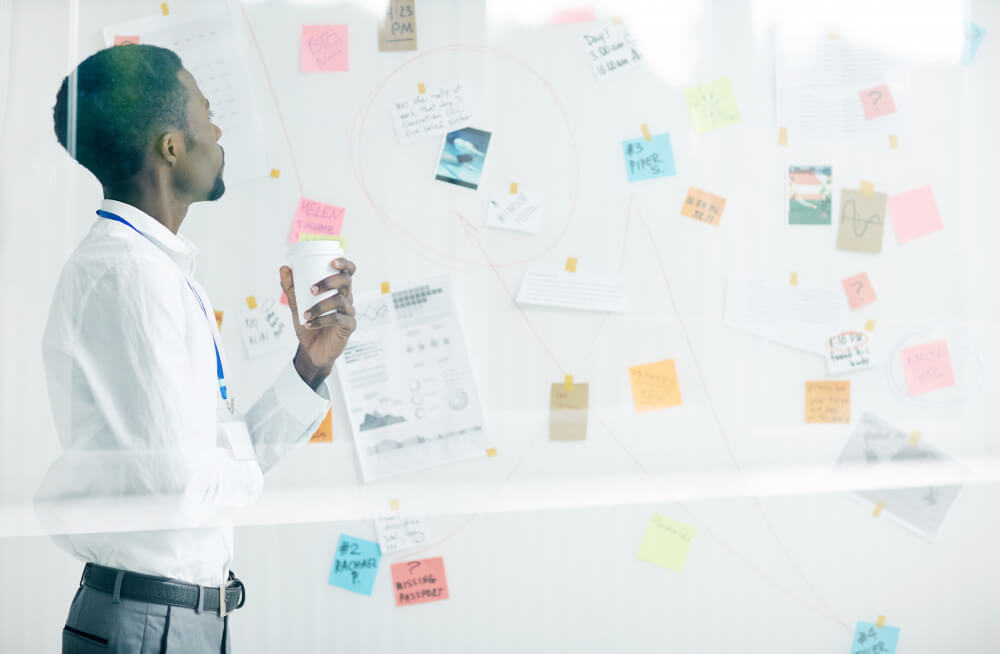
324,48
355,565
828,401
521,211
568,412
703,206
655,386
315,218
871,639
877,101
324,433
859,291
399,30
862,221
928,367
712,105
848,351
974,35
611,49
398,532
262,328
416,582
649,159
436,111
914,214
666,542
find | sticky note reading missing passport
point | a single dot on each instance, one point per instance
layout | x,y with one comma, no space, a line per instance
874,639
400,533
399,29
416,582
666,542
703,206
324,48
315,218
655,386
568,411
914,214
610,49
432,111
928,367
355,565
712,105
859,290
828,401
649,159
324,434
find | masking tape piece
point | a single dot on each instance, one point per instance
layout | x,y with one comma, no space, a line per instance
880,622
793,279
568,383
394,504
878,509
164,8
513,188
571,264
867,188
218,317
914,438
893,142
492,452
617,20
645,132
833,35
421,89
275,173
782,136
385,287
251,302
869,325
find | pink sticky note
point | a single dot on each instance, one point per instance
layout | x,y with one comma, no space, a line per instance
859,290
316,218
324,48
415,582
122,40
914,214
928,367
877,101
580,15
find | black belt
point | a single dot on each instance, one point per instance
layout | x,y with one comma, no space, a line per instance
163,590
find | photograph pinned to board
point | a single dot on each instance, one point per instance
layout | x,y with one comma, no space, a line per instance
810,195
463,156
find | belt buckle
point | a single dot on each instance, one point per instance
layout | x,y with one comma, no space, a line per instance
223,607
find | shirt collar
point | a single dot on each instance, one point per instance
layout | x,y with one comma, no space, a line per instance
177,247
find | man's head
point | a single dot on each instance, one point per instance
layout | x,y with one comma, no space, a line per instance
139,113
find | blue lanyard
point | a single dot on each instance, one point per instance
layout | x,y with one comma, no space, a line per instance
218,359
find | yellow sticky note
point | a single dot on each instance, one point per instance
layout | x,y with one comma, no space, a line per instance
914,438
251,302
571,264
703,206
218,317
394,504
712,105
385,287
421,88
880,622
492,452
793,279
782,136
893,141
867,188
666,542
513,188
568,412
568,383
655,386
878,509
275,173
645,132
828,401
164,8
869,325
325,432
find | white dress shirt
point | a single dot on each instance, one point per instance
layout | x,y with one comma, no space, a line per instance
134,390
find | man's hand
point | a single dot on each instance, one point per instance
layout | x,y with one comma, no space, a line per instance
322,339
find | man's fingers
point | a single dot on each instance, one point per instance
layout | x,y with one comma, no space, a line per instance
339,282
287,285
345,265
337,303
333,320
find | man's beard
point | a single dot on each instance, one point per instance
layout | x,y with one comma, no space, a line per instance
219,187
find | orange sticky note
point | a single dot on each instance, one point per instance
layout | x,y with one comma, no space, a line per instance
251,302
655,386
513,188
122,40
385,287
275,173
645,132
164,8
491,452
416,582
571,264
893,141
782,136
218,318
703,206
859,290
828,401
878,509
324,49
325,432
394,504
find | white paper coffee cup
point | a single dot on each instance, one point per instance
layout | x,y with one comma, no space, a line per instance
311,262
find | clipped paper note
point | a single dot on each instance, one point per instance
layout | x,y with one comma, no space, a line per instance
610,49
877,101
315,218
914,214
928,367
871,639
399,30
415,582
828,401
848,351
655,386
521,211
568,411
324,434
973,37
262,328
324,48
666,542
712,105
649,159
355,565
703,206
862,221
398,532
859,291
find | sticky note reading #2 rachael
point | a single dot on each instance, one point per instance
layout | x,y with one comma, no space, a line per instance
355,565
649,159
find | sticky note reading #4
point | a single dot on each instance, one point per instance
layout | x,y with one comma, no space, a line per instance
666,542
610,49
315,218
521,211
435,111
914,214
928,367
655,386
324,48
871,639
649,159
415,582
355,565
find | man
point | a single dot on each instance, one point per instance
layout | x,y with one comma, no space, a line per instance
151,432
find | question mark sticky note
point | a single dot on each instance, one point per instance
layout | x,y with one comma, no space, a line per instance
355,565
666,542
859,291
416,582
877,101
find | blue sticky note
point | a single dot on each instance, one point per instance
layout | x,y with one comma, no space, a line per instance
355,564
649,159
973,37
870,639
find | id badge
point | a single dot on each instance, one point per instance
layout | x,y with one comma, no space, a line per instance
234,429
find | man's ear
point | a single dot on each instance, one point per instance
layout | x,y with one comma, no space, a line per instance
168,146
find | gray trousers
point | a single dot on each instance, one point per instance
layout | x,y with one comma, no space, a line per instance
98,623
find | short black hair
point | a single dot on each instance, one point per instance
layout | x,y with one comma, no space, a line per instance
127,95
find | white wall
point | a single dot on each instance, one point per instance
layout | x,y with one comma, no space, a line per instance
540,542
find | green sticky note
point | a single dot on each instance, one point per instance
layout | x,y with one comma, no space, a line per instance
712,105
666,542
305,236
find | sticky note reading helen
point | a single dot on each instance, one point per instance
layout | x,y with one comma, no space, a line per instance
316,218
928,367
355,565
666,542
416,582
